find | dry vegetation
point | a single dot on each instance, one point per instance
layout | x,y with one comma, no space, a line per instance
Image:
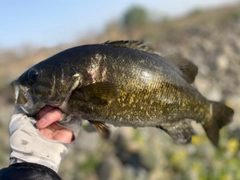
211,39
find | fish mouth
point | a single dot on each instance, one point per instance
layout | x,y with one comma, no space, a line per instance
24,99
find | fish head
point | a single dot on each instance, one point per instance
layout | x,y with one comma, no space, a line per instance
46,83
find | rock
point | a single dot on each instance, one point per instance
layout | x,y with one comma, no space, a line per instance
222,62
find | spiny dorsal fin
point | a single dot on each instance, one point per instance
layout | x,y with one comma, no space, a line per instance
101,128
131,44
185,68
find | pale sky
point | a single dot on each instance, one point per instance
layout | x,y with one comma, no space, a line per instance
50,22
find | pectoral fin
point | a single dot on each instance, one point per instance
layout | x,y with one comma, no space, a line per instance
100,93
101,128
180,131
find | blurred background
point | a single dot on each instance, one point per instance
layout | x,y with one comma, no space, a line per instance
205,32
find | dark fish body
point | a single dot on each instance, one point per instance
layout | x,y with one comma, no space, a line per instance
123,83
149,92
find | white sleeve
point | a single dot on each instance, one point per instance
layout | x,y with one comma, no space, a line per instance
28,145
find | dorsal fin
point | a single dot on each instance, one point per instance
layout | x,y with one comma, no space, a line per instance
184,67
131,44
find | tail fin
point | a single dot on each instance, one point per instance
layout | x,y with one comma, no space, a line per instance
221,116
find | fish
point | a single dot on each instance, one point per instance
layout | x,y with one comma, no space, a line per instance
123,83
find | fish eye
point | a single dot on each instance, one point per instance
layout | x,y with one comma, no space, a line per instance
33,75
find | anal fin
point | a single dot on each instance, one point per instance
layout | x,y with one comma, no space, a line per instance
180,131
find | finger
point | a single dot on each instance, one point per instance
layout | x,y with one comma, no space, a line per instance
63,135
49,118
55,126
47,133
43,111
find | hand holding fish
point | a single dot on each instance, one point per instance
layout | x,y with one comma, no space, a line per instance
37,153
49,128
45,146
